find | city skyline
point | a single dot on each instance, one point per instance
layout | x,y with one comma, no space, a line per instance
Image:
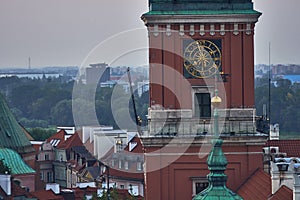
64,33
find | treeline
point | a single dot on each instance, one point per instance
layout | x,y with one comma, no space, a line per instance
50,102
284,103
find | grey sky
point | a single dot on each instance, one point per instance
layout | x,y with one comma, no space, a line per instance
63,32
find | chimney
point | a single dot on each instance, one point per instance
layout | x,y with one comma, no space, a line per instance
5,183
54,187
296,189
68,194
274,132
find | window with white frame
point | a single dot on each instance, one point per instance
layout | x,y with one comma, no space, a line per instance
49,177
120,164
112,163
199,184
139,166
126,165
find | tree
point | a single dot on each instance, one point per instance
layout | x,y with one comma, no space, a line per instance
61,114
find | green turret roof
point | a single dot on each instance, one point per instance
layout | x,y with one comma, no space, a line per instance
12,134
200,7
14,162
217,163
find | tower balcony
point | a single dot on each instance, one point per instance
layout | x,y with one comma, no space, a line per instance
182,123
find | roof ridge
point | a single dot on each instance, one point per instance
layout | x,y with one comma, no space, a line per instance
250,176
74,140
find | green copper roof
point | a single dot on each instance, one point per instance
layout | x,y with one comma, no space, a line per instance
200,7
203,12
217,193
216,159
217,163
14,162
12,134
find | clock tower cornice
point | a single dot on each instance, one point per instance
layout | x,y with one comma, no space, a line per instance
199,19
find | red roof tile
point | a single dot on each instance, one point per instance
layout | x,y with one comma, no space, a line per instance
36,147
16,191
60,135
87,190
46,194
283,193
123,194
72,141
291,147
88,144
138,148
121,174
257,186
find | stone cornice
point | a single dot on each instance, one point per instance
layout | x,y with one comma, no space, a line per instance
192,19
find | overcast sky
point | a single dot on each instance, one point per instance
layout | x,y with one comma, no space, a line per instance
65,32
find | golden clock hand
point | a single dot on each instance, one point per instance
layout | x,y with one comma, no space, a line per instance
199,48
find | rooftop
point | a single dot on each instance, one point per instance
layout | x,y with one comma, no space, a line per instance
290,147
200,7
283,193
72,141
14,161
257,186
12,135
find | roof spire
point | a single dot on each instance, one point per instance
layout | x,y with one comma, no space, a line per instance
217,163
12,135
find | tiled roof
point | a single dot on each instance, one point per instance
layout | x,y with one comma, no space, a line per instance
16,191
134,146
93,171
124,194
57,138
257,186
291,147
123,174
72,141
88,144
12,134
30,138
87,191
46,194
83,152
283,193
14,161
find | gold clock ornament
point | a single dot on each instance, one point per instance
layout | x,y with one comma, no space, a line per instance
202,58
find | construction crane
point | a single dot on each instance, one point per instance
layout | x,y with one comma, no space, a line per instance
138,120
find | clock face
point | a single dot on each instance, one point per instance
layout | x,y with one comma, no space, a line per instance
202,58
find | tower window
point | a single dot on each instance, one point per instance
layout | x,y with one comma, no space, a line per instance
202,105
199,184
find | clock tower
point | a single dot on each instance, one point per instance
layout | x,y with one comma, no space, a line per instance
197,47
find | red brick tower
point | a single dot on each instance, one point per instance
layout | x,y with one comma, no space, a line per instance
196,47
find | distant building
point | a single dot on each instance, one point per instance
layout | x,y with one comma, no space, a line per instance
143,87
97,73
119,150
118,72
63,155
